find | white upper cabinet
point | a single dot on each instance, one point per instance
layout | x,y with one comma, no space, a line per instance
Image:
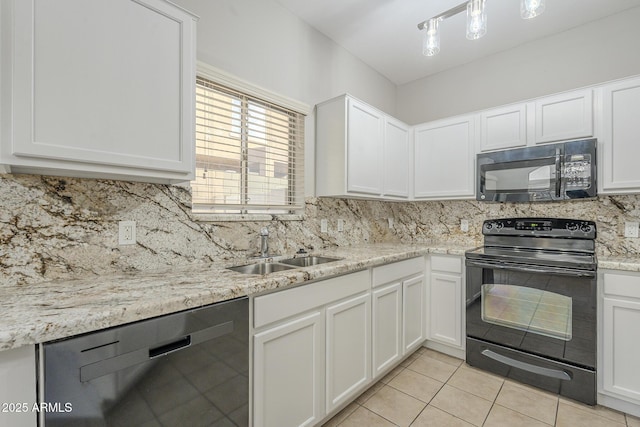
396,158
564,116
504,127
444,159
360,151
619,146
364,148
100,89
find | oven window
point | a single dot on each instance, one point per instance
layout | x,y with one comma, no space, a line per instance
527,309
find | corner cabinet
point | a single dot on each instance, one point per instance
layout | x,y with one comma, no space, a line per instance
619,341
619,148
444,159
100,89
354,143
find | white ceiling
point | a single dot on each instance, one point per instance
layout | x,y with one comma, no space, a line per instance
384,33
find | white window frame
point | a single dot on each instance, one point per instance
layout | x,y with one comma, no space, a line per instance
225,79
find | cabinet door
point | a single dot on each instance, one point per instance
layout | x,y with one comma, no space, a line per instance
396,159
18,387
103,86
621,342
564,116
364,149
288,373
348,349
504,127
413,303
444,165
620,148
445,309
387,327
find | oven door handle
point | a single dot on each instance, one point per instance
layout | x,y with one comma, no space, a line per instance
539,370
531,269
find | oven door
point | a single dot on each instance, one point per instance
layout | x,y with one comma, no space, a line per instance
534,324
545,311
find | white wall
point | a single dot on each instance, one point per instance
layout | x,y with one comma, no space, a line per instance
603,50
263,43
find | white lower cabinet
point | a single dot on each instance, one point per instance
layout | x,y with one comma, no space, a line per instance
18,388
413,303
387,327
398,312
618,373
289,372
311,350
445,299
348,354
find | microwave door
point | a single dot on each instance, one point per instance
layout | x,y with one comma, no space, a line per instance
521,180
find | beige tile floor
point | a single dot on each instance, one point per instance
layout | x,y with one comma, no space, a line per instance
433,389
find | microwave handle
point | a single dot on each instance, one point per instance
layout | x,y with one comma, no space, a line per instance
558,172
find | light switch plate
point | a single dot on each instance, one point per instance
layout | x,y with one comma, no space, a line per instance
323,226
630,229
464,225
340,225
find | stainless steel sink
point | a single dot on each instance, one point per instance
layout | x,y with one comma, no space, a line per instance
308,261
261,268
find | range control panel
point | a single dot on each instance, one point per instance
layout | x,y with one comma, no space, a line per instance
540,227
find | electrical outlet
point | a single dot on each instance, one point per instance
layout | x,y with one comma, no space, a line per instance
464,225
323,226
127,232
341,225
390,220
630,229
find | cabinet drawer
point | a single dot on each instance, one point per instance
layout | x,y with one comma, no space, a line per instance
280,305
450,264
622,284
397,270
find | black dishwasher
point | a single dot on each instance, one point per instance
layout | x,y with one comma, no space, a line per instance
184,369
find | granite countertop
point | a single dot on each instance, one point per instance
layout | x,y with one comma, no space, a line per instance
625,263
63,308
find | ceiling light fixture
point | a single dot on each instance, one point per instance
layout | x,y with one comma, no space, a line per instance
431,42
476,21
531,8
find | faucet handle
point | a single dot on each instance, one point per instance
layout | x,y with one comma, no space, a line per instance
264,231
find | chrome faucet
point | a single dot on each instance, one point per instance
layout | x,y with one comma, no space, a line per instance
264,242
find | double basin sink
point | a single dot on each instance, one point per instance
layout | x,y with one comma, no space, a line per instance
282,265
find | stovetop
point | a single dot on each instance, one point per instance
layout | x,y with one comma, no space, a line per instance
539,241
541,257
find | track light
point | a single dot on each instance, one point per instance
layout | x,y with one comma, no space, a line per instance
476,21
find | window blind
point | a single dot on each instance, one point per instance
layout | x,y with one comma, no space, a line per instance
249,153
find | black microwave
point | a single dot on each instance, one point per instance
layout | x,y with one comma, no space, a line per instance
548,172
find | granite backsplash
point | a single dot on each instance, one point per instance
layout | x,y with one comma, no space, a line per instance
52,227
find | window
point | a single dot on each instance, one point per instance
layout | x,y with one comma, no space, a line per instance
249,154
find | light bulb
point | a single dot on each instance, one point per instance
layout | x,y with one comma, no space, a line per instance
531,8
476,19
431,41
